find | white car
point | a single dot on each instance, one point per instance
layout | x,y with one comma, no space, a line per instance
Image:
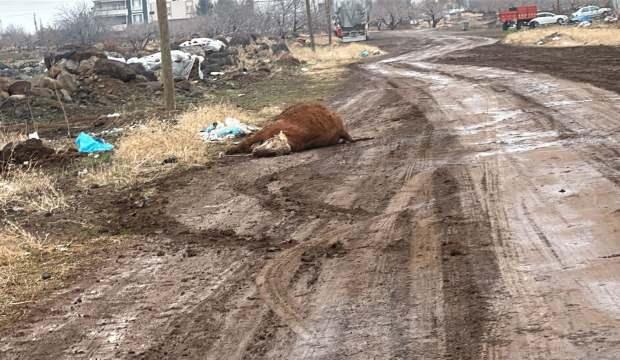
586,13
547,18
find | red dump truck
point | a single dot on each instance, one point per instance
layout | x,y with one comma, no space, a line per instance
518,16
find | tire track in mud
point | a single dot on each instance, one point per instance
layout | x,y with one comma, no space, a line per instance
275,278
468,262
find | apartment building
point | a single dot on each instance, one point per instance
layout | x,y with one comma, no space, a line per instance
120,13
177,9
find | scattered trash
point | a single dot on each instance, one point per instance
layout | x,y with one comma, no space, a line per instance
562,190
115,115
111,132
364,53
182,63
611,19
115,56
584,24
230,128
88,144
46,276
216,73
303,69
34,135
205,43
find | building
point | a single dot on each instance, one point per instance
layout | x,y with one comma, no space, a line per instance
120,13
177,9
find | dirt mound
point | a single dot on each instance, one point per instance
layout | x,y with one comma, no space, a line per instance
558,39
28,150
302,126
76,55
114,69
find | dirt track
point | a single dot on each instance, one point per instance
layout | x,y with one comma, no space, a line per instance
482,222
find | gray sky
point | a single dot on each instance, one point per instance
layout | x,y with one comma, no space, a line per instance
19,12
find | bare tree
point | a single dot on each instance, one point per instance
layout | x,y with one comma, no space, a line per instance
16,36
79,25
391,13
140,35
433,10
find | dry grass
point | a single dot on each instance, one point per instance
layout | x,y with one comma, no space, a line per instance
336,55
19,250
30,189
24,256
16,242
568,36
157,141
7,137
117,173
139,153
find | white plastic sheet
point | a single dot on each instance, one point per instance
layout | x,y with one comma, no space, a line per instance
205,43
182,63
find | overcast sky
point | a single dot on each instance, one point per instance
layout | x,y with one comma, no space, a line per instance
19,12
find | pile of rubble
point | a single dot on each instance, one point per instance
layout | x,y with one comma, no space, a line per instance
72,73
239,53
22,69
89,76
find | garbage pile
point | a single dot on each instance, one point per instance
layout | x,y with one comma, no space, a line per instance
185,66
92,76
240,53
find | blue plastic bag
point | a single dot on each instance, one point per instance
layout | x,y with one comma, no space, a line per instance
88,144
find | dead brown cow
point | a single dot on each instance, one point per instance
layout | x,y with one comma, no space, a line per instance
300,127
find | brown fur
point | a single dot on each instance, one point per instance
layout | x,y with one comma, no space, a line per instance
306,126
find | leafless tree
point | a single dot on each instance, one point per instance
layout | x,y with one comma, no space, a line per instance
79,25
288,16
140,35
391,13
15,36
433,10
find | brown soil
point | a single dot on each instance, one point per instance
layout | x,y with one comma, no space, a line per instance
33,152
597,65
28,150
465,229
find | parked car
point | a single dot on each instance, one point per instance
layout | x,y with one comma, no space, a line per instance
547,18
587,13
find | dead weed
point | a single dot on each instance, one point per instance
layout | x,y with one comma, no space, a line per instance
31,190
563,36
141,153
333,56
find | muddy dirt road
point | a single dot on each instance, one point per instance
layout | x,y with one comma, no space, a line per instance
482,222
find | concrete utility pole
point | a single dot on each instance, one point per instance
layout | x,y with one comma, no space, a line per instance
166,58
309,16
328,9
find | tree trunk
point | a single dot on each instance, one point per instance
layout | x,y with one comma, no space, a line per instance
309,16
328,10
166,58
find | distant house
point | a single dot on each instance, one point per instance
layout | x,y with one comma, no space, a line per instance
177,9
120,13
